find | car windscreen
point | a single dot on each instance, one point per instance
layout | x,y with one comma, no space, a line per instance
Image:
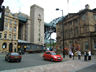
15,54
53,53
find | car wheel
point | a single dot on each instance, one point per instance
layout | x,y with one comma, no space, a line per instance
8,60
19,60
5,59
52,59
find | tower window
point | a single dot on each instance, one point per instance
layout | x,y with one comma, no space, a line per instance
5,36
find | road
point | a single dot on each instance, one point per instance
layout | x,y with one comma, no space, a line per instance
28,60
36,59
91,68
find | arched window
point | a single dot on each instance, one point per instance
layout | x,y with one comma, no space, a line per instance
4,45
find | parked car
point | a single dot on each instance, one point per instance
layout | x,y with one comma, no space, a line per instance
14,56
51,55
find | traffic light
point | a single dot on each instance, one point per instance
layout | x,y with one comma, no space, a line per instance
2,11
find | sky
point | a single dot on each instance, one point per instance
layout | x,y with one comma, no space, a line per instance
50,13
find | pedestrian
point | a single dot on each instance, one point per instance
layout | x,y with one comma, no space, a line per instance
79,54
47,49
51,49
85,55
70,54
89,55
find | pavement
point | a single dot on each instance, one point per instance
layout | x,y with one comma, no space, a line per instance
67,65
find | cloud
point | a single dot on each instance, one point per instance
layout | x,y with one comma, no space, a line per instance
49,6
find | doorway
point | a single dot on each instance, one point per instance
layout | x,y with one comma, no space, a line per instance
10,47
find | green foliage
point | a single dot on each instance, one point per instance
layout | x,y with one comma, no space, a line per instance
52,44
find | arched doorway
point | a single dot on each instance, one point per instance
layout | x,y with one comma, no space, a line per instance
10,47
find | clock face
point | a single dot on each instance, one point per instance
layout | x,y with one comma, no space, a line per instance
0,14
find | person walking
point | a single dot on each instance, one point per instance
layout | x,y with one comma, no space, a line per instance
73,55
47,49
85,55
79,54
70,54
89,55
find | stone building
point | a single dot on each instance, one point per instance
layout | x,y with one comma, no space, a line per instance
23,28
37,25
9,36
79,30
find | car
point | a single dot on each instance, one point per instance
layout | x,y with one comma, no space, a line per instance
14,56
51,55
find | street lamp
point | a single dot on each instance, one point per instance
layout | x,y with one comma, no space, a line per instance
50,31
57,9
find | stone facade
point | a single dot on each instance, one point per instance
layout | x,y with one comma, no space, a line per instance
24,26
37,25
9,36
20,28
79,30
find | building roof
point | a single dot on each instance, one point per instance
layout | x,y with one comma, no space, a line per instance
81,12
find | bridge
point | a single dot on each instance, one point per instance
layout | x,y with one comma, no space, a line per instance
50,28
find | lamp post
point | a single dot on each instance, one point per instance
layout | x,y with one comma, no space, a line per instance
57,9
50,36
